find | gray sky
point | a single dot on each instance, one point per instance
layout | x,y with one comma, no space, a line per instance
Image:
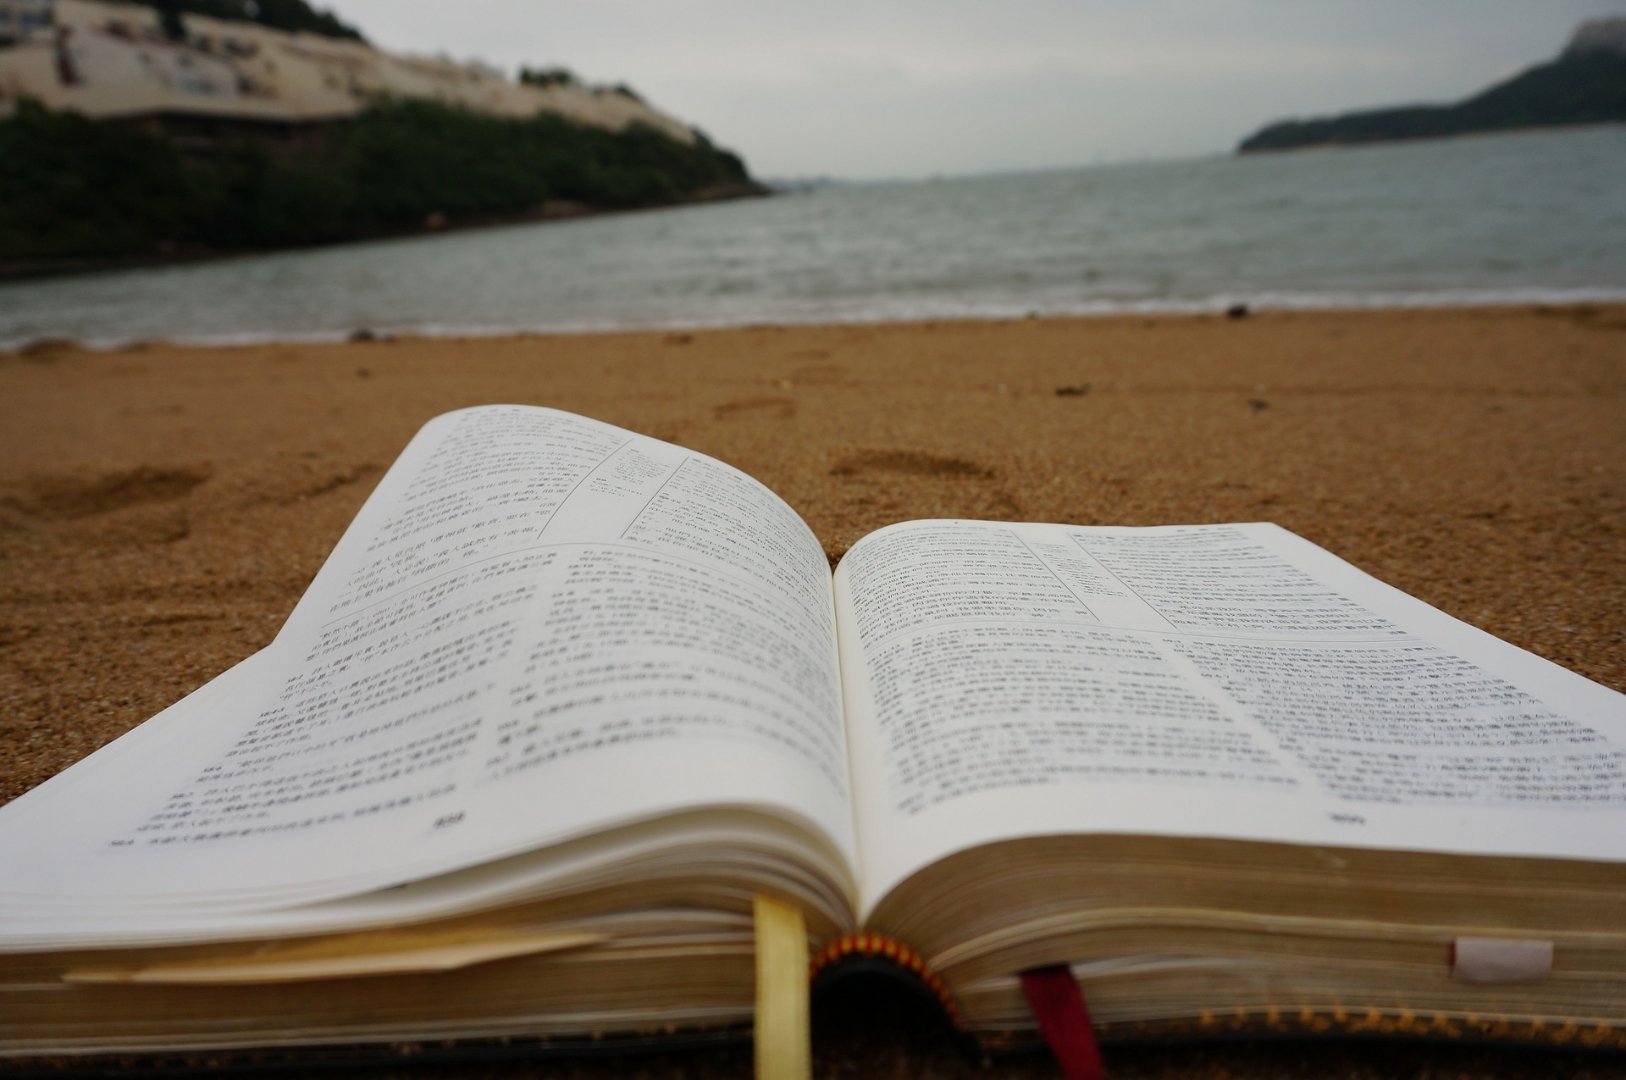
905,88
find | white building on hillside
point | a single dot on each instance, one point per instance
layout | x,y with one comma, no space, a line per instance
24,20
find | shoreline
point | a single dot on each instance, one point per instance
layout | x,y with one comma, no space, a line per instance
1452,136
1537,300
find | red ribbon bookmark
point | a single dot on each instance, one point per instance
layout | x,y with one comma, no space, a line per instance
1058,1005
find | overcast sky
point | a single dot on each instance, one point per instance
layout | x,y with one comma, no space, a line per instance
905,88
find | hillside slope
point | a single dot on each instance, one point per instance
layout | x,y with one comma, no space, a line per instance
1586,84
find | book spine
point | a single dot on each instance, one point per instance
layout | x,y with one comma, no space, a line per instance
872,946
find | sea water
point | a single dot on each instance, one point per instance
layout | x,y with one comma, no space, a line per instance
1536,216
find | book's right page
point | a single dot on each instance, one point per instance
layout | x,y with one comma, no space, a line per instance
1233,681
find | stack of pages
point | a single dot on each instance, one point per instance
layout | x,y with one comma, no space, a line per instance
565,699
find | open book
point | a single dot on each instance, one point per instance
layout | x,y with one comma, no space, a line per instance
564,699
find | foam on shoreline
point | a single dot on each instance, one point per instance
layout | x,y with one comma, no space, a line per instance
898,313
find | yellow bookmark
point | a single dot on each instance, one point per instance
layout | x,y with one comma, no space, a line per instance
783,1044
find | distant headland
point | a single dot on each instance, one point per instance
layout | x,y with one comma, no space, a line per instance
1584,84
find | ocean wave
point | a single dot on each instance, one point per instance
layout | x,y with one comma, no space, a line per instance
892,312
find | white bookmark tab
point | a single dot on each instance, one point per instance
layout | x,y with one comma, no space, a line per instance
1500,960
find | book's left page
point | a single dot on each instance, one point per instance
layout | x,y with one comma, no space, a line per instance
539,628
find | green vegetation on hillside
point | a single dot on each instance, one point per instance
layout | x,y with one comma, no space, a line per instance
1576,88
72,188
546,77
288,15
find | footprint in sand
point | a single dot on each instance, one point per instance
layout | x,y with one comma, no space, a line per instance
66,498
781,408
908,463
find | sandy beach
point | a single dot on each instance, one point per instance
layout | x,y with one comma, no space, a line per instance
163,507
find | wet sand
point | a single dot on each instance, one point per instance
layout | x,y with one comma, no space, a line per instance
163,507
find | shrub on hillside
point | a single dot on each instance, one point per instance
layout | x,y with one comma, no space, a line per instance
70,187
